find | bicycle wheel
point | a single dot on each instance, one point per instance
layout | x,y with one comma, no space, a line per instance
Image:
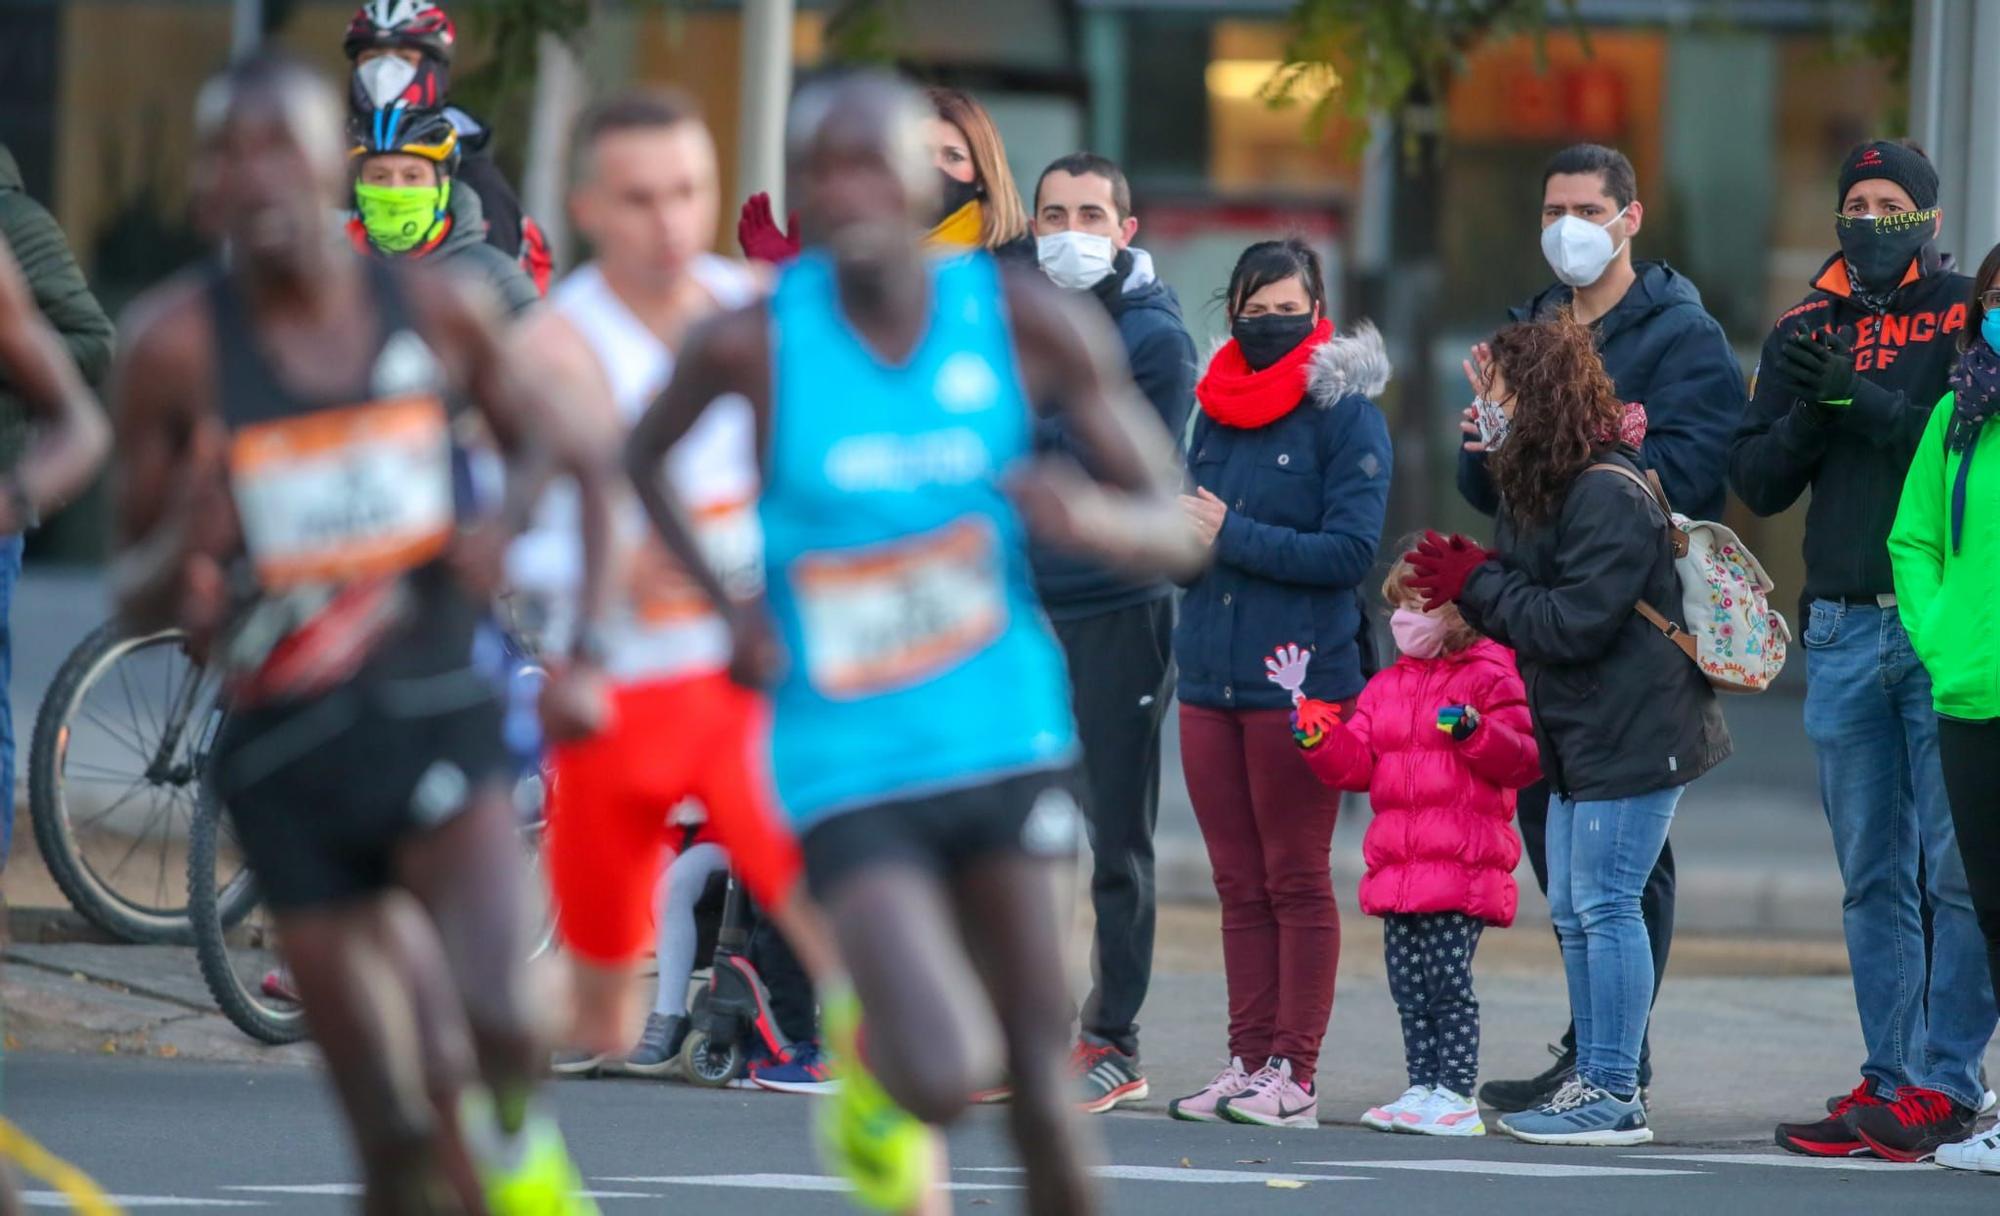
234,961
119,744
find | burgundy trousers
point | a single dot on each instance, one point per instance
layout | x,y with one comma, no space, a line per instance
1268,824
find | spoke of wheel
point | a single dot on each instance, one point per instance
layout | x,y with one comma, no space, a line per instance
135,748
132,704
144,834
94,820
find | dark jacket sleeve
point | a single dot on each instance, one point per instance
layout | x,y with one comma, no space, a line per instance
1779,443
1886,417
1163,367
60,291
1692,407
1609,537
1354,498
1475,484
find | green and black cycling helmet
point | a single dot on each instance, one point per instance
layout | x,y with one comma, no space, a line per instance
386,80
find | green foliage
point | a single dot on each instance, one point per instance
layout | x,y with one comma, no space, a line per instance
1356,58
865,31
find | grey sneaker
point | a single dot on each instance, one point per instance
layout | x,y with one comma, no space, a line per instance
659,1049
1582,1115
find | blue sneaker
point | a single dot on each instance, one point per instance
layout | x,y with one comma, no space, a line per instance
1582,1115
803,1069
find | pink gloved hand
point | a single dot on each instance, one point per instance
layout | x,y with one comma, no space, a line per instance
757,231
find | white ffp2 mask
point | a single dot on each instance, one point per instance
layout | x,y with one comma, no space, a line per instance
1075,260
1578,250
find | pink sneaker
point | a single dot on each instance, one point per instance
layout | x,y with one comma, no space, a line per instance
1273,1099
1202,1107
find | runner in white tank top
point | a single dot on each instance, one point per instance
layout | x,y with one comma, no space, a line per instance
672,725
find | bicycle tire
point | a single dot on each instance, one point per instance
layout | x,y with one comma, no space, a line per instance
92,897
249,1011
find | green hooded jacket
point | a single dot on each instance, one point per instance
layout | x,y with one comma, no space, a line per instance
1947,594
60,292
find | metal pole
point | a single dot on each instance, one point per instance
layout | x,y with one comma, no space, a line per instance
560,92
767,90
246,27
1978,226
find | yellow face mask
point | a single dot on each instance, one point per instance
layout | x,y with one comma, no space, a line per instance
960,229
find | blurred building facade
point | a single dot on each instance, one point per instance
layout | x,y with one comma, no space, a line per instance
1735,115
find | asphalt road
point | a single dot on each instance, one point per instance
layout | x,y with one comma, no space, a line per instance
218,1138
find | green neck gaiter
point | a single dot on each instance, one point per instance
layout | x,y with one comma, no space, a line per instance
400,218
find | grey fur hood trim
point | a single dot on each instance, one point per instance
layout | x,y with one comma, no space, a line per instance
1352,362
1356,361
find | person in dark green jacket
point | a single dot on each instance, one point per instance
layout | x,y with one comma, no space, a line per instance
1945,552
63,299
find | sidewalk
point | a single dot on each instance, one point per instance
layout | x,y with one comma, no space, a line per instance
1747,1031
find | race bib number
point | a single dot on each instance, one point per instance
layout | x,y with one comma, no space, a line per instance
733,543
342,495
898,614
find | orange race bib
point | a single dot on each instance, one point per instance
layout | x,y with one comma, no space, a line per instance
731,540
896,614
341,495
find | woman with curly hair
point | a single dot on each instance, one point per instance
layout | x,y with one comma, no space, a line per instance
1625,721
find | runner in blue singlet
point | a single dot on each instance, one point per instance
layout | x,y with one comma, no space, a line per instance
922,739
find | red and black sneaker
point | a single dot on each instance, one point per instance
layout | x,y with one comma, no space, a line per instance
1915,1125
1833,1136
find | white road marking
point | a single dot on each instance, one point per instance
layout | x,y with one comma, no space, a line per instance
56,1199
1171,1173
352,1188
1511,1169
1780,1159
784,1182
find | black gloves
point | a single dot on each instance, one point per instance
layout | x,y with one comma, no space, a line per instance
1817,367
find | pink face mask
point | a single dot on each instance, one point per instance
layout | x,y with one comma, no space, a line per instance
1418,634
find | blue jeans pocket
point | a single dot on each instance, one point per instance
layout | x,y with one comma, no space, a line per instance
1823,620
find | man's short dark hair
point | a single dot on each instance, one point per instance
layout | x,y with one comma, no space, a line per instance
1611,166
635,110
1079,164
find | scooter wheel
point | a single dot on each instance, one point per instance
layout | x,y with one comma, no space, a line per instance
708,1062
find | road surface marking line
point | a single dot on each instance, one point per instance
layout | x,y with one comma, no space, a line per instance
784,1182
1512,1169
56,1199
352,1188
1779,1159
1172,1173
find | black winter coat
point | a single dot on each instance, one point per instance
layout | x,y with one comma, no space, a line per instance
1619,710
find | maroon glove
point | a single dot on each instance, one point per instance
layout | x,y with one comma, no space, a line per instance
757,231
1442,564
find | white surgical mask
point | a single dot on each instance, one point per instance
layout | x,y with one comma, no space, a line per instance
1578,250
1075,260
385,78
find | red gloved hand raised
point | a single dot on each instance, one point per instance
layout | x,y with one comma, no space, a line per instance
1442,564
757,231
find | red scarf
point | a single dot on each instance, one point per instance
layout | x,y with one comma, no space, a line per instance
1234,395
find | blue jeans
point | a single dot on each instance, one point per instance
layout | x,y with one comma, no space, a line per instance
10,573
1868,713
1600,856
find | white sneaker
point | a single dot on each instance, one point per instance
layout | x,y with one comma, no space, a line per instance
1980,1154
1383,1118
1989,1102
1447,1113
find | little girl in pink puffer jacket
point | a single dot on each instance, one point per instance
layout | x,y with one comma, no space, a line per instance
1441,740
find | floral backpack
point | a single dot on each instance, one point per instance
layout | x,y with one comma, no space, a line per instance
1733,634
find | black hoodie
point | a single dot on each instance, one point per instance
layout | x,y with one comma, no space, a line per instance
1855,456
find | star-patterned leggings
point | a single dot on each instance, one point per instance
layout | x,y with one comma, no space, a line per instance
1430,977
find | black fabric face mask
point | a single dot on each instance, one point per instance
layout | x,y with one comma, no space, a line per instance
1265,340
953,194
1879,250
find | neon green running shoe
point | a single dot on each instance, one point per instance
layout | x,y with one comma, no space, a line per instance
532,1176
863,1135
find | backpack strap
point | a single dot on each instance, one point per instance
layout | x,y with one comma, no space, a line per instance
1679,539
1650,483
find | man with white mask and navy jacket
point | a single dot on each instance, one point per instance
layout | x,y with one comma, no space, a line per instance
1118,634
1664,352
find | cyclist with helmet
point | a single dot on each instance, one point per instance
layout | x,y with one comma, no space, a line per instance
402,51
410,203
